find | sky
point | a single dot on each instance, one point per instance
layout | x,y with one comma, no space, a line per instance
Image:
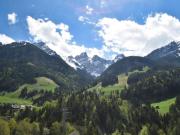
99,27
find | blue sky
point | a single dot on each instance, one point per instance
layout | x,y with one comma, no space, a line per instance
86,32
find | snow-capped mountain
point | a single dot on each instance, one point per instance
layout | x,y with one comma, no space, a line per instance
170,50
118,57
95,65
45,48
40,45
73,63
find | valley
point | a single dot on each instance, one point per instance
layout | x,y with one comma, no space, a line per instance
89,67
133,94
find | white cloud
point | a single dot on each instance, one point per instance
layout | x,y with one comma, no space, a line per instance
86,20
132,38
87,15
12,18
4,39
119,36
57,37
83,19
89,10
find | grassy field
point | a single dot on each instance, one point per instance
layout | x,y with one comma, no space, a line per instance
41,83
112,88
122,82
163,106
6,99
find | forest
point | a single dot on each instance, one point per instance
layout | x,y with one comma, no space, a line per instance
45,96
89,113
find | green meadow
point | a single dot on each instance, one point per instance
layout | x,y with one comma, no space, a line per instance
163,106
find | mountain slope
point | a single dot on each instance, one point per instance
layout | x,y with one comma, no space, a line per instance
94,66
170,50
125,65
21,62
167,56
45,48
153,86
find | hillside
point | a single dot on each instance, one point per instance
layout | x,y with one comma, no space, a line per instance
110,76
142,94
170,50
28,93
167,56
20,63
153,86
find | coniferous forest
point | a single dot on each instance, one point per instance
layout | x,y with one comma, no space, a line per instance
89,67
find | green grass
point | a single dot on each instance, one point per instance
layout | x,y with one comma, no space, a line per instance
41,83
163,106
108,89
122,82
6,99
111,88
145,69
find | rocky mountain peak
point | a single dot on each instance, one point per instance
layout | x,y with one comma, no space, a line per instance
95,65
82,56
97,58
119,57
170,50
45,48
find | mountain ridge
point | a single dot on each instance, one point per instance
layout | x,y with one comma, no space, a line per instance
170,50
160,59
95,65
24,61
